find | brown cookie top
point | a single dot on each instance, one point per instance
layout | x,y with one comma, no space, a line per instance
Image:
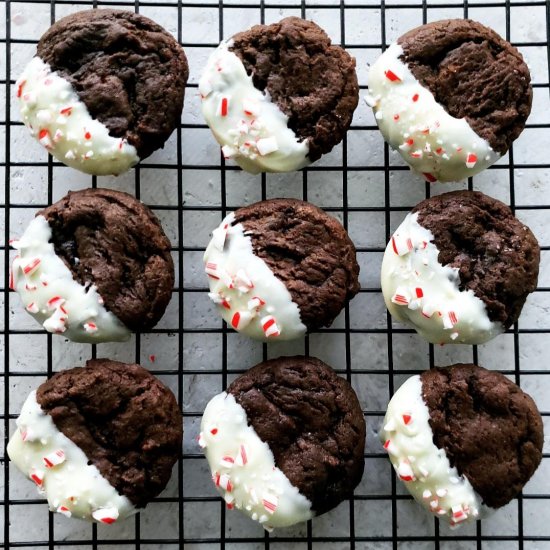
497,255
114,241
489,428
312,421
129,72
474,74
312,81
123,418
309,251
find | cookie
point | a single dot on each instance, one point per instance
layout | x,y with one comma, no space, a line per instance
459,268
99,441
94,266
104,90
450,97
465,440
279,96
280,267
285,442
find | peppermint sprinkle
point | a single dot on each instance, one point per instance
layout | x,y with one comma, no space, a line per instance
401,246
44,138
106,515
255,303
242,457
269,326
267,145
391,76
90,328
241,319
270,504
64,510
227,462
32,266
37,476
32,308
405,472
250,107
54,459
471,160
224,106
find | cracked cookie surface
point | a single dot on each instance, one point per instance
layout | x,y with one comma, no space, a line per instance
311,80
312,421
490,429
497,256
474,74
309,251
124,419
110,239
129,72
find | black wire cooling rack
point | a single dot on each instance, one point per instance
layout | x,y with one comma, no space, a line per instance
191,188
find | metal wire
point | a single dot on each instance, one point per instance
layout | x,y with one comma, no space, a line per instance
389,503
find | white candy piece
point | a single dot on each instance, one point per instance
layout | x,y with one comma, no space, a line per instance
51,295
425,295
430,479
251,129
243,467
61,122
71,486
434,143
249,296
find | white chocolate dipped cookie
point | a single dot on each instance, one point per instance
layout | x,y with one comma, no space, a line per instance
279,96
280,267
94,266
265,440
459,268
97,109
100,441
439,99
463,439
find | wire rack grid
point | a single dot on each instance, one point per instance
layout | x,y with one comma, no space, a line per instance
190,188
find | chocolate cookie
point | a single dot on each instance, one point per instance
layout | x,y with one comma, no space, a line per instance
94,266
451,97
464,439
99,441
104,91
280,267
473,262
279,96
286,441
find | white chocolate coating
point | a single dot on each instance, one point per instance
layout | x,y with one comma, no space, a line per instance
250,298
422,293
243,467
434,143
60,121
424,468
252,130
61,470
51,295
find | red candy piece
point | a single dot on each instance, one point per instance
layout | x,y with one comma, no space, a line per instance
20,88
390,75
